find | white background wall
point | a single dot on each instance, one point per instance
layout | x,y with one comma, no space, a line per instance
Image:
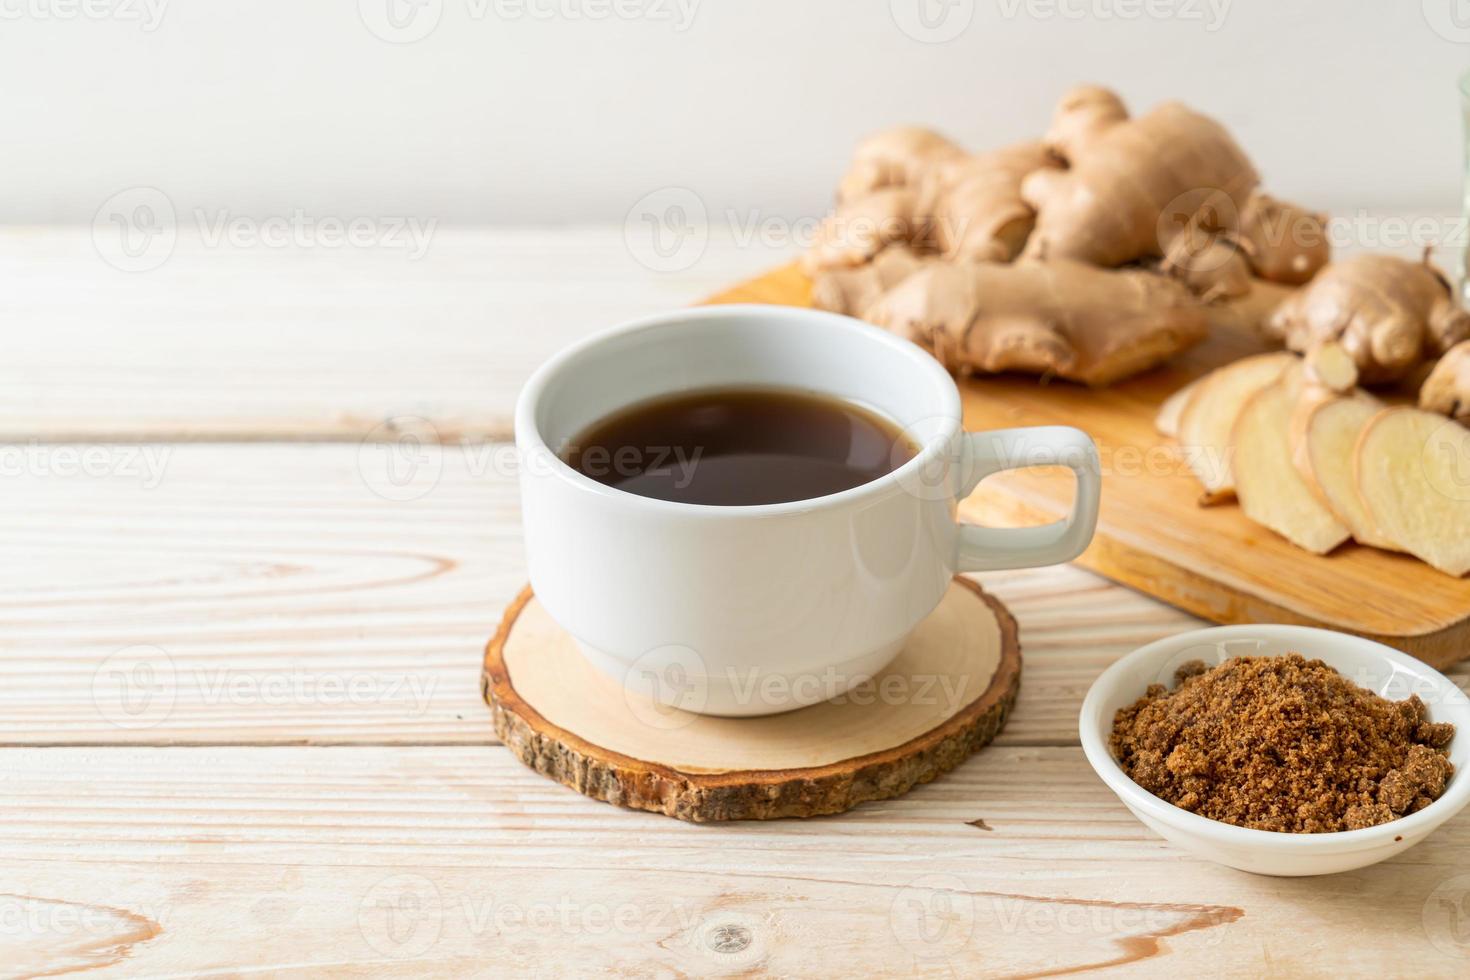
557,111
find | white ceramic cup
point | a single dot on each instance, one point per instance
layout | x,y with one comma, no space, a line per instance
752,610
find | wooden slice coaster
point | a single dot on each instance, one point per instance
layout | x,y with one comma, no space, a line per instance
946,694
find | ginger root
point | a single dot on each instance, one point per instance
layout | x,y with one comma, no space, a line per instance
914,187
1214,268
1248,314
1133,185
860,229
979,213
897,157
852,291
1447,389
881,198
1169,190
1058,318
1283,242
1389,314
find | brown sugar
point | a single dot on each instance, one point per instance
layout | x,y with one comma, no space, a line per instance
1282,743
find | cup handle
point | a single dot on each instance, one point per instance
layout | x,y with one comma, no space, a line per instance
985,548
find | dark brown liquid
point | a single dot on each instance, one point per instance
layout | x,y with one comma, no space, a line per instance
736,446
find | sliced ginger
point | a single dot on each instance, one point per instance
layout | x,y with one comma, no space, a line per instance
1271,489
1324,435
1167,420
1412,471
1331,368
1318,460
1207,418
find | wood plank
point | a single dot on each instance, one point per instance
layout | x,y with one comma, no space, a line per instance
457,861
236,341
281,597
1153,535
299,342
289,602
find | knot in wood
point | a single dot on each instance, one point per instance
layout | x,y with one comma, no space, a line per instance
729,938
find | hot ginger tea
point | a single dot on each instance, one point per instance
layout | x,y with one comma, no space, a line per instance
740,446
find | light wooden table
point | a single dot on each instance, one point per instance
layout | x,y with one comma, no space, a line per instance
239,683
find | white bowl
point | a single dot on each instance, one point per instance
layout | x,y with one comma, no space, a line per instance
1390,673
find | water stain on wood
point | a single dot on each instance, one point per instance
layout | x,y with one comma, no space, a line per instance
69,937
1137,947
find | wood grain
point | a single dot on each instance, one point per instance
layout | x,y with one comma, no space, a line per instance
457,861
283,599
248,343
944,697
129,854
1152,533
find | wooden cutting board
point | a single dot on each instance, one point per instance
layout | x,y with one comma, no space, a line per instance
1152,533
